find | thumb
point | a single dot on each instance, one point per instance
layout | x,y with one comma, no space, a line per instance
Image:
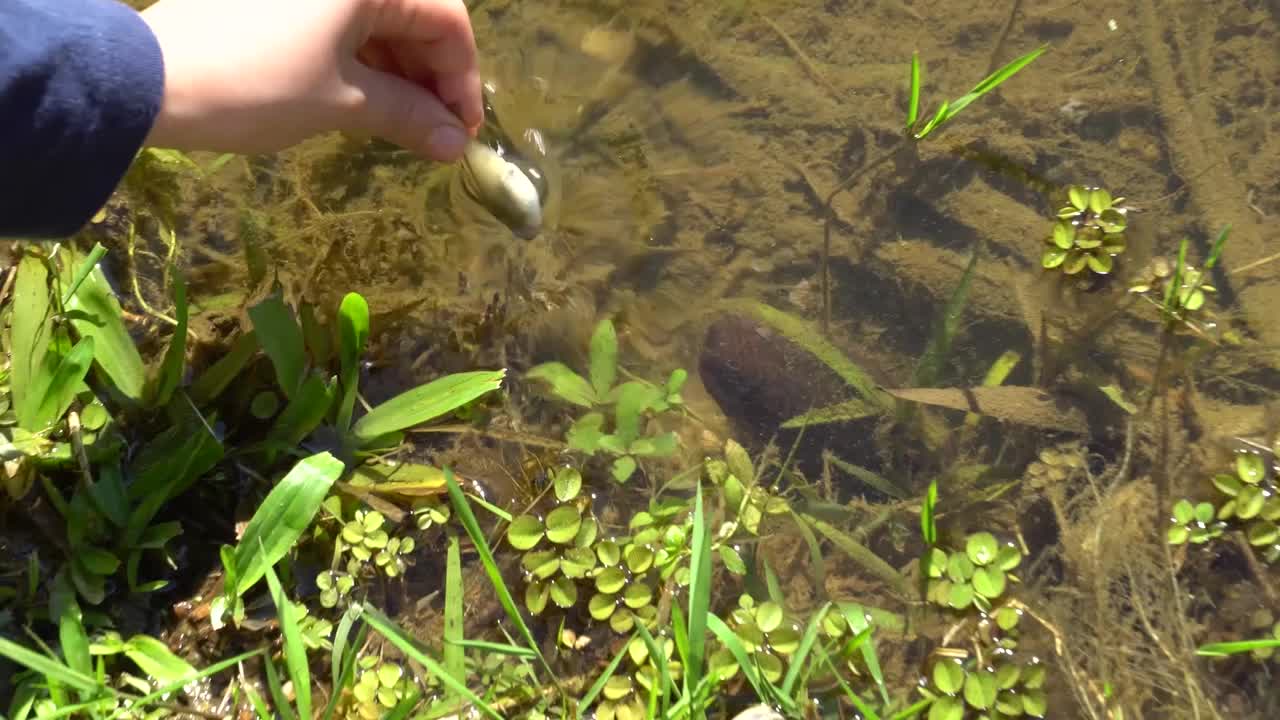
406,114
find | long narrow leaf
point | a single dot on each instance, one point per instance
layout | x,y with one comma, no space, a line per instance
604,358
946,325
353,329
594,691
278,697
174,686
699,599
494,647
86,266
71,632
396,636
282,517
175,355
63,385
454,655
94,311
30,330
295,649
213,381
994,80
797,661
47,666
281,339
491,569
426,402
913,103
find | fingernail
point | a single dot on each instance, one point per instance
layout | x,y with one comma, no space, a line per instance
447,141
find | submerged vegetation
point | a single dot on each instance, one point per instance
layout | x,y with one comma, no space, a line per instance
269,504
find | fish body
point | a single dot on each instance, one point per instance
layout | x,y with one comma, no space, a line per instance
509,185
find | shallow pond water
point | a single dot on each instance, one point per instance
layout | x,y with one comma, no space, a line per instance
692,147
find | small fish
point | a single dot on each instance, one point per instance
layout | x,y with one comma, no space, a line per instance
510,186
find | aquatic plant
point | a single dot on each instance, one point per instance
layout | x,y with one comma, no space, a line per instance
618,433
1249,501
976,576
554,568
914,132
1089,232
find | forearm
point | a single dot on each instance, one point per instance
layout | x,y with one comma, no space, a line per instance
81,83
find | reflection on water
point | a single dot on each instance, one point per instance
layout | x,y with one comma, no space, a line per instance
691,146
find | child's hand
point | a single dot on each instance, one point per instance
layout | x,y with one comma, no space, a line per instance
260,75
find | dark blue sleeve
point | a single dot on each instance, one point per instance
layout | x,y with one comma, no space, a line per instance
81,82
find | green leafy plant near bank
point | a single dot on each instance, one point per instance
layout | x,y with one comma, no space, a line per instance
614,425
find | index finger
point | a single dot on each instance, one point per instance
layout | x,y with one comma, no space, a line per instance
435,46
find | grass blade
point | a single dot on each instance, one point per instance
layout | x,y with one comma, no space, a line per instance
176,355
343,657
598,686
453,651
71,632
66,381
1223,649
797,660
50,668
82,272
469,522
426,402
213,381
860,554
278,698
1216,251
172,687
157,660
664,686
994,80
913,105
494,647
295,650
856,616
396,636
282,517
699,600
945,327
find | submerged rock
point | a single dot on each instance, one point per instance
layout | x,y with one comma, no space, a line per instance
761,379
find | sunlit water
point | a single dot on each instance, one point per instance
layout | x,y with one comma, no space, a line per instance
691,147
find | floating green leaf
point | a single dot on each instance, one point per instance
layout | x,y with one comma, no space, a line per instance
525,532
981,548
563,524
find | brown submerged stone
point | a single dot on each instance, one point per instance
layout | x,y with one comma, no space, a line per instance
761,379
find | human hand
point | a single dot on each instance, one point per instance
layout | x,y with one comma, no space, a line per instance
252,76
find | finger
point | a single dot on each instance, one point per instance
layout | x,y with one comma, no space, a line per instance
379,57
434,43
460,91
404,113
